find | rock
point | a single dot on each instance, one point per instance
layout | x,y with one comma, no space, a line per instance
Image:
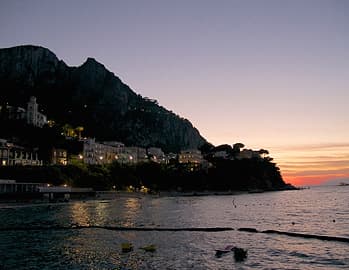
126,247
93,97
149,248
240,254
220,252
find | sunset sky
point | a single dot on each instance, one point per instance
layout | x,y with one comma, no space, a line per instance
269,74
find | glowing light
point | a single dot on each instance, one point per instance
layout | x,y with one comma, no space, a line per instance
312,164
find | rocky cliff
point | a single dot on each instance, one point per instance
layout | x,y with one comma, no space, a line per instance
93,97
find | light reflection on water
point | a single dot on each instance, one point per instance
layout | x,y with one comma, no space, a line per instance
311,211
130,212
79,214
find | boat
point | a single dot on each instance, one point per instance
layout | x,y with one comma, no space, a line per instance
342,184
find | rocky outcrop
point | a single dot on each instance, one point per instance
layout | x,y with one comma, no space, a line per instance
91,96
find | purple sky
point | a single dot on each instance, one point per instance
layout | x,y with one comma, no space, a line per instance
270,74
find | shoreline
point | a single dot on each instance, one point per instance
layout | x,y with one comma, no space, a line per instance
113,195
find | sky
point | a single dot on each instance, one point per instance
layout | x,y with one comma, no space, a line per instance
269,74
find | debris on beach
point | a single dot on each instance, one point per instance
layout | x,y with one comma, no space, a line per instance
149,248
220,252
126,247
240,254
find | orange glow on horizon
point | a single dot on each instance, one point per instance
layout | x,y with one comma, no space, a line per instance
309,180
303,165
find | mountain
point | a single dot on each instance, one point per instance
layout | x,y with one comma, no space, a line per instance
92,97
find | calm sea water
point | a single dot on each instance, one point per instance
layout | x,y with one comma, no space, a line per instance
320,210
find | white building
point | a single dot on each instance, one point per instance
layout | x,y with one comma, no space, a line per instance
190,156
34,117
192,159
12,186
109,151
156,154
98,153
221,154
132,154
11,155
31,115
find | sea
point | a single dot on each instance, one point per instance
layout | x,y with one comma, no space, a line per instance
89,234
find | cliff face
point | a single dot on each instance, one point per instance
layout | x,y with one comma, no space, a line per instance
91,96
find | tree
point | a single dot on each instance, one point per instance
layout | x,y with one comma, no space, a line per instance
68,131
206,148
79,129
263,152
237,147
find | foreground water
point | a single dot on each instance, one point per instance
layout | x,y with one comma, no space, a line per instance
321,210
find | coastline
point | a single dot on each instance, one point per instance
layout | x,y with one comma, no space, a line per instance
112,195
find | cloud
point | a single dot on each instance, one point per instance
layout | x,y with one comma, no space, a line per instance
316,147
313,163
311,172
317,164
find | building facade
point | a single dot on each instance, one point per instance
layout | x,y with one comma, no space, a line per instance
34,117
31,115
12,186
190,156
156,155
132,155
98,153
59,156
12,155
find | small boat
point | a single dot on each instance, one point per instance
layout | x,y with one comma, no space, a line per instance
342,184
